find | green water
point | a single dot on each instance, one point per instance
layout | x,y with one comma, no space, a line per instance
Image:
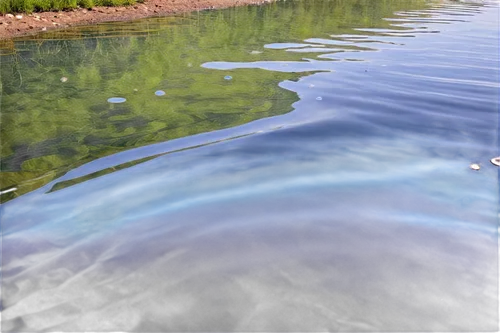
54,86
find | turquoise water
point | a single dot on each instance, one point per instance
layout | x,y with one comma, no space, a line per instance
355,211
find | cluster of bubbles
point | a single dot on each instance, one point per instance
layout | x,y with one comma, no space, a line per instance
477,166
116,100
159,93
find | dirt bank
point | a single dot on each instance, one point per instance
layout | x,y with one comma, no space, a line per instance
26,24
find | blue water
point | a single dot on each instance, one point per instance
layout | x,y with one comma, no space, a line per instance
357,211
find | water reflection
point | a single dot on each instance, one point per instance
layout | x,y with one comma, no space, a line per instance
75,125
358,212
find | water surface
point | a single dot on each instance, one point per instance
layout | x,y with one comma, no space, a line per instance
324,187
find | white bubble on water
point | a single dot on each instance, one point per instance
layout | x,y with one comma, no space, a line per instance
475,166
319,98
116,100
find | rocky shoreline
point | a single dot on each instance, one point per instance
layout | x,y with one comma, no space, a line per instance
14,25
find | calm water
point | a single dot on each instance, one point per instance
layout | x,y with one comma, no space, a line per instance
301,166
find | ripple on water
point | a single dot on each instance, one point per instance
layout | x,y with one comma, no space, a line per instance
373,181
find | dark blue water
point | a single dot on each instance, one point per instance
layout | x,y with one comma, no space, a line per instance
357,211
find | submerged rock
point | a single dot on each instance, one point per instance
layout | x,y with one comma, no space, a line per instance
48,162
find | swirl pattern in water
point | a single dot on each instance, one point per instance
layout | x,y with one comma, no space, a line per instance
324,187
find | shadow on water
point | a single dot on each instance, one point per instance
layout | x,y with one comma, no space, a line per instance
307,169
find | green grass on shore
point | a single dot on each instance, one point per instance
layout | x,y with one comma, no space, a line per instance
28,6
